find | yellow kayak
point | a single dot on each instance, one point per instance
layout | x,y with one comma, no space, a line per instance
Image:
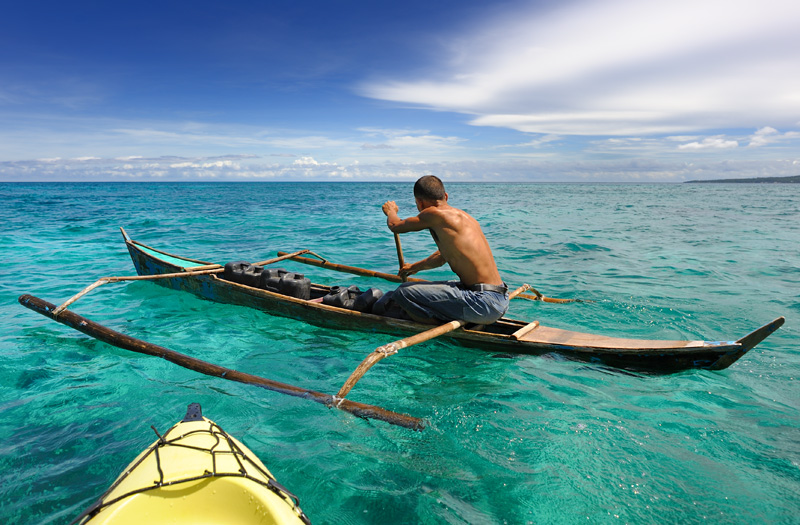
195,473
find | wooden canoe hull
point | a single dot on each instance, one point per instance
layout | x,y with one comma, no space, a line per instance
632,354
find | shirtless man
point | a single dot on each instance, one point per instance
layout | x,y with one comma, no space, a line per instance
480,296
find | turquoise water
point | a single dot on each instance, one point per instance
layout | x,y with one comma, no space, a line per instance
509,439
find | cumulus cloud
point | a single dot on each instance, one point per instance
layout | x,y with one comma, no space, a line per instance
620,67
710,143
763,136
309,161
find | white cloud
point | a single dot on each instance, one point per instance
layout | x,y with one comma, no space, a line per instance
620,67
634,145
665,147
764,136
423,142
413,140
304,142
390,132
710,143
305,161
206,165
309,168
541,141
198,134
309,161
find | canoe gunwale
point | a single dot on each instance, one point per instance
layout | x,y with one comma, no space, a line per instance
199,262
710,354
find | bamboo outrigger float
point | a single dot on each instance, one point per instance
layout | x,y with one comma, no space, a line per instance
506,335
112,337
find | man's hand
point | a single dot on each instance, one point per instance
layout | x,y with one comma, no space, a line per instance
390,207
406,270
434,261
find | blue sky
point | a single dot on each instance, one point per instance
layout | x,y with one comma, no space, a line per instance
570,90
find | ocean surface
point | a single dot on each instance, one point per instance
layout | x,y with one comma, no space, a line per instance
509,439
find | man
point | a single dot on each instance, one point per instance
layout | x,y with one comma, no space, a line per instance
480,296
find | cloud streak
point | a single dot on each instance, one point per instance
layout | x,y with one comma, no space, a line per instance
711,143
621,67
253,168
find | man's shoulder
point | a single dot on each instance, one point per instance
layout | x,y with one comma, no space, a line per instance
443,211
455,216
436,216
431,212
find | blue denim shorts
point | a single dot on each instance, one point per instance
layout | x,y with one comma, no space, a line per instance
450,300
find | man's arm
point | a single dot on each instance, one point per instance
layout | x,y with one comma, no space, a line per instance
434,261
412,224
398,225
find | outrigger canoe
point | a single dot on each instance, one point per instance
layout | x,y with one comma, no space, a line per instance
506,335
195,473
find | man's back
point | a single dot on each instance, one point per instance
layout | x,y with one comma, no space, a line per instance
462,244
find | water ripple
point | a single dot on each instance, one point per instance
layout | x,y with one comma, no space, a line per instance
512,439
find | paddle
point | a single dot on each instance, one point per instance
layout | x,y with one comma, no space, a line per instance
392,348
400,255
323,263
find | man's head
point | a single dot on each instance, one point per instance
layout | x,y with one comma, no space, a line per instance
428,190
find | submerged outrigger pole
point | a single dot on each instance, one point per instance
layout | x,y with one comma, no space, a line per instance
126,342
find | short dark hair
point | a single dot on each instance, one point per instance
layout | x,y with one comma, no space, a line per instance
430,188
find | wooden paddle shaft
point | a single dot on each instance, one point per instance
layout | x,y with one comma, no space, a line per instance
396,279
400,260
350,269
117,339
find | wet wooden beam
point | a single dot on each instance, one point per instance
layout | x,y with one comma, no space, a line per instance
126,342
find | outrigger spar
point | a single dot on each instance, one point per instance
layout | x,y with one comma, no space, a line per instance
212,281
